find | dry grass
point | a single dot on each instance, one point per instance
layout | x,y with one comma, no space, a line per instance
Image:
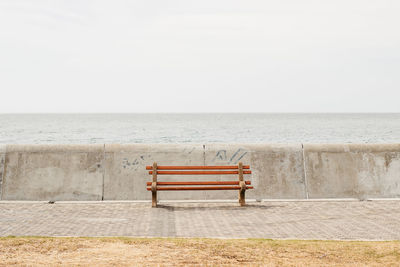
40,251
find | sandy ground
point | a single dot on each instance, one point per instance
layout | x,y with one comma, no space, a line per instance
39,251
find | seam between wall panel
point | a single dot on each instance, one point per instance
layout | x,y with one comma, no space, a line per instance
104,170
304,171
3,174
204,155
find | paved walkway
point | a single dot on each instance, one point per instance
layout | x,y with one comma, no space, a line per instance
367,220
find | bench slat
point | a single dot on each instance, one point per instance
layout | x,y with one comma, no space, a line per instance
199,188
200,183
235,167
198,172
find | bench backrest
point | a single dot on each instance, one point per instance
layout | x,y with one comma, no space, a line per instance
197,170
239,184
239,169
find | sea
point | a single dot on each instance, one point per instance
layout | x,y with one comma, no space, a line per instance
199,128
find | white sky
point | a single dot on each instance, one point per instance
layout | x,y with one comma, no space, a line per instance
200,56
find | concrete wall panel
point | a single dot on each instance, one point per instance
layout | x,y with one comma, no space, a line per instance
277,170
353,171
126,176
53,172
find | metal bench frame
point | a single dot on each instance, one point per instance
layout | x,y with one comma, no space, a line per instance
239,169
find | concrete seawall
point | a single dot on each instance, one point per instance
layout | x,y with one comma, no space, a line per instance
117,172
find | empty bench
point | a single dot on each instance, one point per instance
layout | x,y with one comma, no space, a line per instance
239,184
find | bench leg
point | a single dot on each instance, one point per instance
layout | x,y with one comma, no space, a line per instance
154,199
242,185
154,187
242,199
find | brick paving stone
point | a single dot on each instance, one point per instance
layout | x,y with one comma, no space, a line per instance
341,220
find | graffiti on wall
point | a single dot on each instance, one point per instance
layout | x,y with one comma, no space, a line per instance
222,156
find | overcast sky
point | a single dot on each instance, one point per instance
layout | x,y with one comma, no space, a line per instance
200,56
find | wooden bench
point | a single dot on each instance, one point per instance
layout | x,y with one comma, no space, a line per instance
239,184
